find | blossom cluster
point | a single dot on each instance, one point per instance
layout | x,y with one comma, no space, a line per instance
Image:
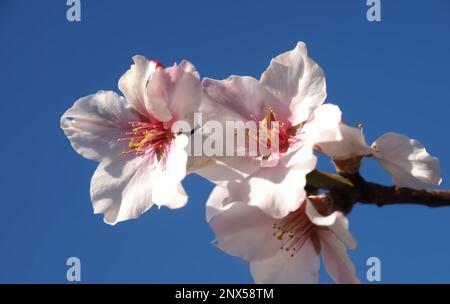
260,209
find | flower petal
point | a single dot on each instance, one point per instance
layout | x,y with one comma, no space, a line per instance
336,260
121,187
167,188
296,80
351,144
95,122
241,230
174,92
158,95
169,193
224,168
323,128
133,83
238,98
407,160
324,125
336,222
188,67
218,202
340,229
276,190
302,268
186,95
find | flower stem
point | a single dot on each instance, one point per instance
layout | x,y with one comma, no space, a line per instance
348,190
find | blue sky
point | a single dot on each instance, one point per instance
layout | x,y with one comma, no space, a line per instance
391,75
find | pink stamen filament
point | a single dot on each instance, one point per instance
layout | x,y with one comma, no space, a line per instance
149,138
294,230
286,132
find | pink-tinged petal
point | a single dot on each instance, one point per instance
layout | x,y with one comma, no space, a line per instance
218,202
188,67
324,125
340,229
302,268
186,91
336,260
158,95
238,98
223,168
167,188
407,160
133,83
174,92
336,222
297,81
301,155
95,122
241,230
351,144
216,168
121,188
275,190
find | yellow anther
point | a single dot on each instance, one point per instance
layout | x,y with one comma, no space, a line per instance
135,145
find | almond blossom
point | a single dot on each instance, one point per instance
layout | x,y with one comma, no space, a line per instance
406,160
142,160
285,250
290,93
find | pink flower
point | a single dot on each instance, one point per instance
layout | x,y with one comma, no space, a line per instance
142,161
285,250
290,92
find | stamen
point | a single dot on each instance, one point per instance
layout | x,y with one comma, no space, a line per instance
294,230
271,126
150,137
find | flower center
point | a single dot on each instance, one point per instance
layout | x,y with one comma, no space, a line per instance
294,230
272,129
149,138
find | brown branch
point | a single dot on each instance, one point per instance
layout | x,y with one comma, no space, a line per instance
356,190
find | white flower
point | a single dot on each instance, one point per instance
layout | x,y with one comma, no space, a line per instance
291,92
407,160
285,250
141,160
